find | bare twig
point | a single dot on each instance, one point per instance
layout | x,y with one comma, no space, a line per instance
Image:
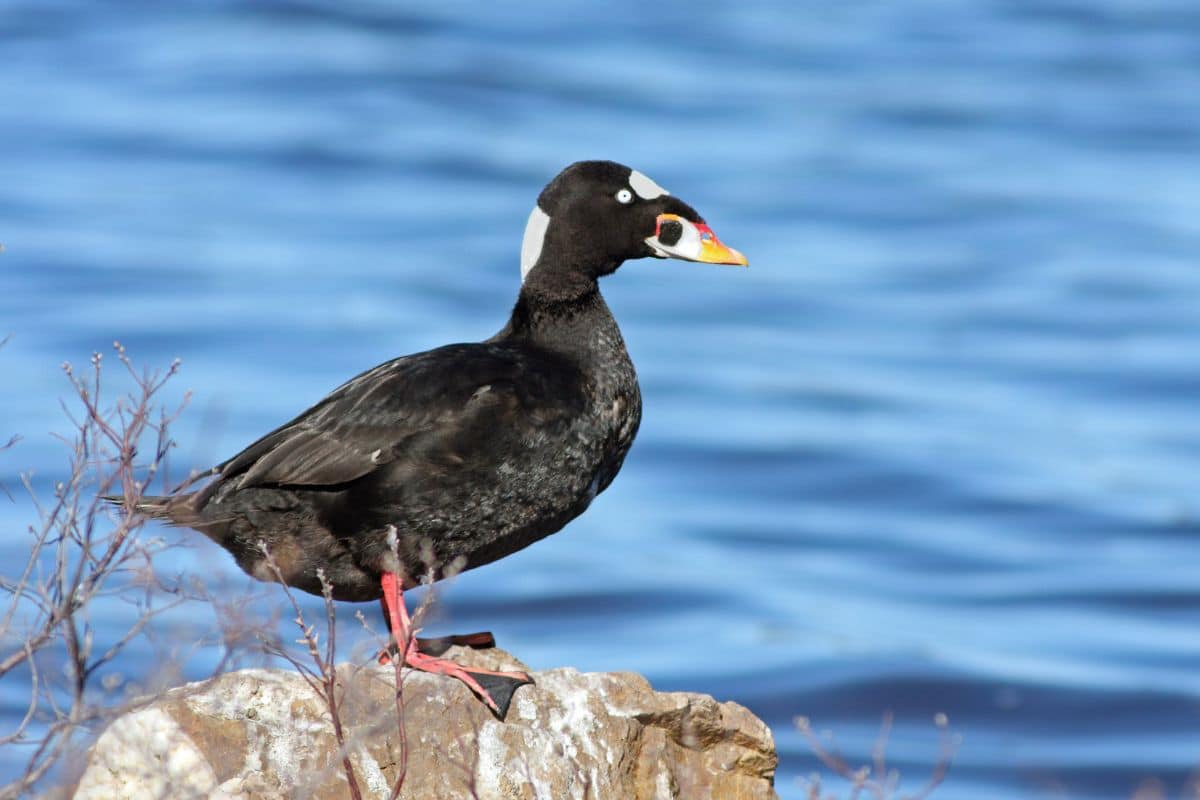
321,676
79,554
876,779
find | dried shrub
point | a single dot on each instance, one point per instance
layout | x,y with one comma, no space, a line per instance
81,555
876,780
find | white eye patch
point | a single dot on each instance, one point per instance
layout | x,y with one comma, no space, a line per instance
624,197
645,188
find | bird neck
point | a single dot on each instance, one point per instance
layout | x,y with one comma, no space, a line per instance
557,279
564,315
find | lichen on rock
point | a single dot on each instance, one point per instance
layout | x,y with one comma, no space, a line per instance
264,734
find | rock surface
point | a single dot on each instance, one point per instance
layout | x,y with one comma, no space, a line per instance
265,734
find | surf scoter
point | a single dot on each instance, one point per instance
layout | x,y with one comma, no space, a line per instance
446,460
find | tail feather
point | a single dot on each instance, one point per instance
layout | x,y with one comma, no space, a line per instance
175,509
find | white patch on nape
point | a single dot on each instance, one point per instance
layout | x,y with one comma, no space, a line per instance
535,235
645,188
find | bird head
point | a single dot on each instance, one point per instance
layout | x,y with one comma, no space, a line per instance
595,215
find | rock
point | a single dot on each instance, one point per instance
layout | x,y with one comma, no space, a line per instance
265,734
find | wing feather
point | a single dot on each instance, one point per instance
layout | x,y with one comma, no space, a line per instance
372,419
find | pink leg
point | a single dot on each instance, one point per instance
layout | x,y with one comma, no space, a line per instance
393,607
393,603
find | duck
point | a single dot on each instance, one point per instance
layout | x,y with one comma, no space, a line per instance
446,460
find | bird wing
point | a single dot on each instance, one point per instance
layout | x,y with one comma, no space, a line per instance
430,398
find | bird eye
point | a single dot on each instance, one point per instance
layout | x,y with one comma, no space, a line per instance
624,197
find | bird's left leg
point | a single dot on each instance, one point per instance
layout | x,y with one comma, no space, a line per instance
493,688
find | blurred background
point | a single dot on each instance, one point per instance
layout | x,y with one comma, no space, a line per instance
936,451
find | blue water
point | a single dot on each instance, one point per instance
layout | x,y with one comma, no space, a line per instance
936,451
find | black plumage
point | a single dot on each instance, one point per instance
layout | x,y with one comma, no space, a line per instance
455,457
471,451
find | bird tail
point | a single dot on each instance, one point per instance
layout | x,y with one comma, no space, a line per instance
172,508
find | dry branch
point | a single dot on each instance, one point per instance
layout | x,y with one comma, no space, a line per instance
876,779
79,554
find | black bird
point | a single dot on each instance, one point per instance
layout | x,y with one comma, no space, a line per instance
446,460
